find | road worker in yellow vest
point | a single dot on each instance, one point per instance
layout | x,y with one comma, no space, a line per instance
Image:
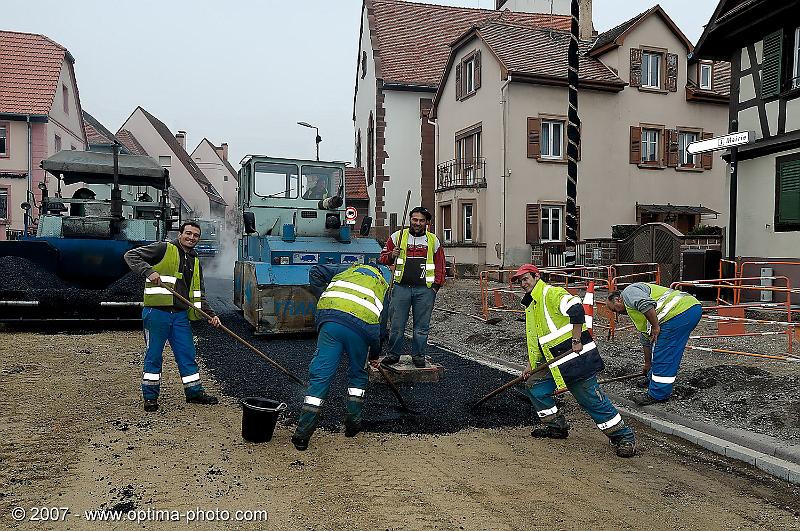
348,321
165,318
555,325
665,318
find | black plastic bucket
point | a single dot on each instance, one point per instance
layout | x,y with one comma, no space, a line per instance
259,416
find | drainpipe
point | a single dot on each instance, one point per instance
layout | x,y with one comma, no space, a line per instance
29,192
505,101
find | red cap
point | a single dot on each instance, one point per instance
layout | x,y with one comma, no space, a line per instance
526,268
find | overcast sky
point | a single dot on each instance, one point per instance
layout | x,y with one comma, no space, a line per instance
240,71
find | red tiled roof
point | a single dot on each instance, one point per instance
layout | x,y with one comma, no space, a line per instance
30,65
127,139
355,184
721,80
96,133
413,40
542,52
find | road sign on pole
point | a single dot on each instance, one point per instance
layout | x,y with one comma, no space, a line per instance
720,142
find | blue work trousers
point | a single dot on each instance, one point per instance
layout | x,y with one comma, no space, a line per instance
668,351
159,327
418,299
591,398
335,339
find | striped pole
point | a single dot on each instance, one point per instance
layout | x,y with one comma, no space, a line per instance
573,140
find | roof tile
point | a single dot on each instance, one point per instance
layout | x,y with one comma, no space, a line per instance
30,65
355,184
413,39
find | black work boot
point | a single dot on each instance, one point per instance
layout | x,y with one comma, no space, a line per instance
202,398
151,405
390,359
352,419
306,424
553,429
645,399
419,362
626,448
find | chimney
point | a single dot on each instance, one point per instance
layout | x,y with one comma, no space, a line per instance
180,136
224,151
585,27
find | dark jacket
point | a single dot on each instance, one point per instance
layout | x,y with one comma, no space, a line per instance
142,259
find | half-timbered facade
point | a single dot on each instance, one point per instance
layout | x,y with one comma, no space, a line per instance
761,39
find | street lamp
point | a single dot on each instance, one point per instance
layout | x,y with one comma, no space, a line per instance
315,128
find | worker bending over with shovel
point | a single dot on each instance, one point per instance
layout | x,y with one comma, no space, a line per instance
665,318
165,318
348,320
555,324
418,275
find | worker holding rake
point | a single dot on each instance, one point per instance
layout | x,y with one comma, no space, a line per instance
555,326
665,318
348,318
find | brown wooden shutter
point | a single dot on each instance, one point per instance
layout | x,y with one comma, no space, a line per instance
636,67
672,147
534,132
477,70
672,72
459,82
636,145
532,229
707,159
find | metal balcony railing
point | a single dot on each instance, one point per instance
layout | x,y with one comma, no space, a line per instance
461,173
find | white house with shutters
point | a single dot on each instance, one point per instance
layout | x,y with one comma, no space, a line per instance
762,42
500,113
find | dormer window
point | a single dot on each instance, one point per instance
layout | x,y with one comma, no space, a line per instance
468,75
704,80
651,70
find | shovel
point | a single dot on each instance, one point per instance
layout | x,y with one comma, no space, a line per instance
491,320
235,336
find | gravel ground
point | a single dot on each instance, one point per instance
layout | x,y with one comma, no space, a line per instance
731,391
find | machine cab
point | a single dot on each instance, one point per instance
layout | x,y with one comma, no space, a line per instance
303,197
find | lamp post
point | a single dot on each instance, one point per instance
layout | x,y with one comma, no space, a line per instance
318,139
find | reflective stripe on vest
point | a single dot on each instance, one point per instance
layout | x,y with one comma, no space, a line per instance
669,303
356,292
168,270
400,263
547,325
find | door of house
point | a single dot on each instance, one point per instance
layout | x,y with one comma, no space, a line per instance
654,242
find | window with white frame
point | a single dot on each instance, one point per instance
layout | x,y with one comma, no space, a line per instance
552,142
466,211
165,161
551,223
685,159
650,143
468,153
3,140
469,76
651,70
795,83
4,203
444,216
705,76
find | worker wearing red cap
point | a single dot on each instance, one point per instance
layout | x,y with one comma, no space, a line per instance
555,325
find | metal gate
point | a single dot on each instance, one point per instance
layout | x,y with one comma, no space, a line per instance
654,242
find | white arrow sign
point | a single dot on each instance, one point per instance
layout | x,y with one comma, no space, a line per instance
720,142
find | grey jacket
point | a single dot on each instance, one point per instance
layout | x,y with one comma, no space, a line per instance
142,259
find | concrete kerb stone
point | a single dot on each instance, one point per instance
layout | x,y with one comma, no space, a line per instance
775,457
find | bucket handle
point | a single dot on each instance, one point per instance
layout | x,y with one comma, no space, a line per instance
281,407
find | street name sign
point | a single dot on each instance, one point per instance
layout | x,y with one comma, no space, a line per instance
720,142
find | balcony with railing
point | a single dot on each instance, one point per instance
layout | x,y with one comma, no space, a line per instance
461,173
